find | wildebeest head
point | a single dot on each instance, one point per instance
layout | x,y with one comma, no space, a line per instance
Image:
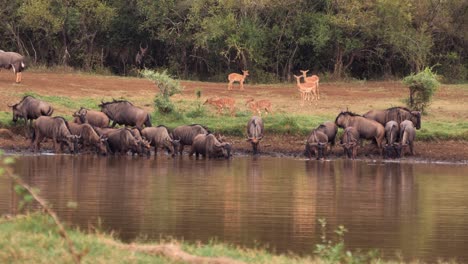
103,145
316,142
16,113
175,145
226,150
81,114
72,142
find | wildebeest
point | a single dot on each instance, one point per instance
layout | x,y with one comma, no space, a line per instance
350,142
143,144
13,60
30,108
367,128
123,112
186,134
255,132
407,136
89,137
55,128
316,143
208,146
330,129
392,130
121,141
94,118
159,137
398,114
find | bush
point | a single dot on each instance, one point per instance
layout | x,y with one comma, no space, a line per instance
422,87
167,88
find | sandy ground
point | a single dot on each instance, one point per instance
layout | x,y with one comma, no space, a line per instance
357,96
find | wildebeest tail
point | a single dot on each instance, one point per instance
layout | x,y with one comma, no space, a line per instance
49,111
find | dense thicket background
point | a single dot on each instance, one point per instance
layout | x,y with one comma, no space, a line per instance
206,39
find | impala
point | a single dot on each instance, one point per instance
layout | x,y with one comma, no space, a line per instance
311,79
235,77
222,103
307,90
258,106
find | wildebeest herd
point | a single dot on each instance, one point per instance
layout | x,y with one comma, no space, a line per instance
95,131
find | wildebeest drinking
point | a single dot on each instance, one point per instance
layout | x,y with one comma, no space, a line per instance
55,128
208,145
367,128
13,60
123,112
407,136
316,143
255,132
392,131
186,134
159,137
350,142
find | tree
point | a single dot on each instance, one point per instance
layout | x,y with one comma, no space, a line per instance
421,87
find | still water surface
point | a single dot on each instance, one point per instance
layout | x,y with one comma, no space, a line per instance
415,210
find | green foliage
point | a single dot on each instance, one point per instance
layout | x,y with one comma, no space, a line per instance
452,68
331,251
167,88
421,87
206,39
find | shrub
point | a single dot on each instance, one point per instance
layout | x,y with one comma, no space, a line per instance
422,87
167,88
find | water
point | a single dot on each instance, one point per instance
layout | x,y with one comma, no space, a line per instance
414,210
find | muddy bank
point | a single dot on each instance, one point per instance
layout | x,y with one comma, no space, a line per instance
291,146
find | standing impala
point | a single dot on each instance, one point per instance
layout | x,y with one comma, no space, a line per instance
311,79
222,103
235,77
307,90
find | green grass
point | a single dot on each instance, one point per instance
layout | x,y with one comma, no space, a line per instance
34,239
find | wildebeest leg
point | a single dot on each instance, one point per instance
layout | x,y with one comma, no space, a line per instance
37,142
181,149
411,148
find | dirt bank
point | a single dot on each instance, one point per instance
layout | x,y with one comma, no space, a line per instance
293,146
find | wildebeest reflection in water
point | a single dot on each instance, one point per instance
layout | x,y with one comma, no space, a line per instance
241,201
